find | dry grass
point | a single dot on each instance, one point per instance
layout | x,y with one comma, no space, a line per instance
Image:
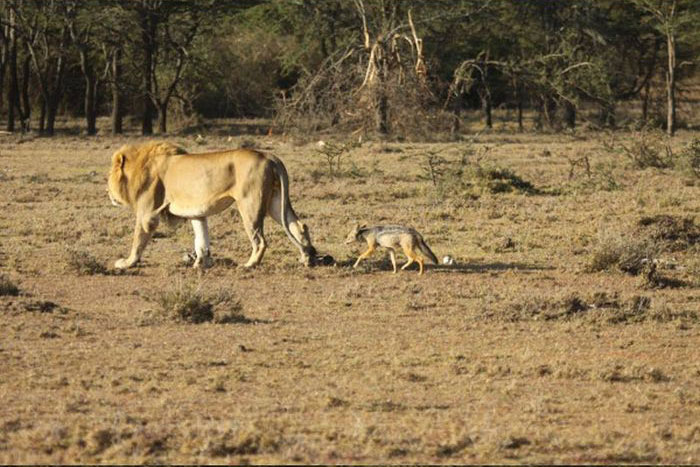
537,346
190,304
7,287
83,263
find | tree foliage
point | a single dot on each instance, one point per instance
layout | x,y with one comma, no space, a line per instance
375,66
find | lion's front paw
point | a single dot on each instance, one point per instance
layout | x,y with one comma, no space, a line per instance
122,263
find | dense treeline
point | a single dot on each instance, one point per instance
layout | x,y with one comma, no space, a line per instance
385,66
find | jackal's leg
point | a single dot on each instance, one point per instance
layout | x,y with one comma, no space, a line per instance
420,265
364,255
411,255
392,256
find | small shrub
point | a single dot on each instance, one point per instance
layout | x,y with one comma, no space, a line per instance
191,305
688,160
84,264
334,153
501,180
600,177
250,440
674,233
651,236
40,178
434,167
649,149
462,177
629,254
7,287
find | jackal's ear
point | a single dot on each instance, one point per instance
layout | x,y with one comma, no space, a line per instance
363,226
303,228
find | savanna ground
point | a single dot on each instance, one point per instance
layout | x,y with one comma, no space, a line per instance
568,331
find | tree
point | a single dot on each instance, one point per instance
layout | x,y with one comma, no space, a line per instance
82,21
46,37
673,19
378,77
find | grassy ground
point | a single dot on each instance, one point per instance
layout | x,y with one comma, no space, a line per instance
568,330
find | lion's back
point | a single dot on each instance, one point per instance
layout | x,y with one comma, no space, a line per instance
208,182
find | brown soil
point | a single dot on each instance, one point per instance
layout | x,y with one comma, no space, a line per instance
517,353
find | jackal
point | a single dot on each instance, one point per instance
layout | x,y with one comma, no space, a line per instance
392,237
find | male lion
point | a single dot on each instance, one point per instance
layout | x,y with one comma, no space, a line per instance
159,179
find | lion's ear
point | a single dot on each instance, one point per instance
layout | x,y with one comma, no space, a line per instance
363,226
302,227
121,160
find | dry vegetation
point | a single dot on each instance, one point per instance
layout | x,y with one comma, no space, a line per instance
567,332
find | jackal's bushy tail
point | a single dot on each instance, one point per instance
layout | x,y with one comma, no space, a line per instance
425,249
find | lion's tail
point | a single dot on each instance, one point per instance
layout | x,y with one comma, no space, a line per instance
286,207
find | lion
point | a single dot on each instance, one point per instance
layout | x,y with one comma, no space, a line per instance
159,179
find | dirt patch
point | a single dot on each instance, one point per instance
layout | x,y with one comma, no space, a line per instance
514,353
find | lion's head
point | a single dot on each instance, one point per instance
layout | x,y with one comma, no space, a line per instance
133,167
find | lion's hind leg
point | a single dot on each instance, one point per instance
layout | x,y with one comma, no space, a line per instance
253,218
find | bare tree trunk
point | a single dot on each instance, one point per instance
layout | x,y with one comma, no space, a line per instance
671,84
42,115
486,107
455,126
519,105
90,100
607,115
51,112
162,117
148,33
550,109
13,90
25,110
382,114
117,127
569,115
645,102
4,58
381,102
56,90
91,104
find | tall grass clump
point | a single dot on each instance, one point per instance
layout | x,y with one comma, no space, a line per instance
688,159
190,304
84,264
633,251
467,175
649,149
7,287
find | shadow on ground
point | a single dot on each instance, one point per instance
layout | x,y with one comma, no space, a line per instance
466,268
